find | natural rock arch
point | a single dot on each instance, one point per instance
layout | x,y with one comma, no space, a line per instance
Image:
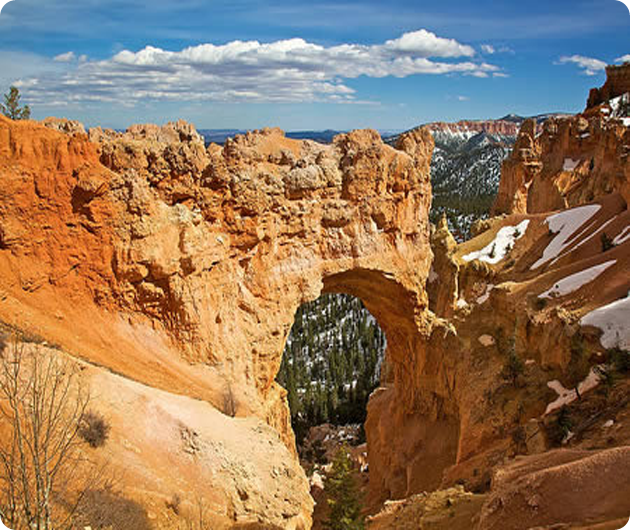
412,428
215,249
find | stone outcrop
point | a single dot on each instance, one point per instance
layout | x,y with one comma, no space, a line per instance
442,284
64,125
493,127
541,491
573,161
617,83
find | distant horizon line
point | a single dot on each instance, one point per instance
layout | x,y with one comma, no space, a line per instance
394,130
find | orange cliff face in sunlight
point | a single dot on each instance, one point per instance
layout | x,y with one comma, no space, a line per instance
181,267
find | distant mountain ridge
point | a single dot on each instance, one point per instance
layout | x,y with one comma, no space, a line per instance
466,166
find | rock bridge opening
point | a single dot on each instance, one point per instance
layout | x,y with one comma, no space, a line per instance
330,365
334,354
395,396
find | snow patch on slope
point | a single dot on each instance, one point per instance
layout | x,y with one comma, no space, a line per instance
570,164
615,104
568,396
614,320
623,236
565,224
496,250
576,281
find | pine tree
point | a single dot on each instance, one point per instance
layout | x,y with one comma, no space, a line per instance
343,496
11,108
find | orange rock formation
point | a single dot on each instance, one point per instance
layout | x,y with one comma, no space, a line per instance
573,161
179,268
617,84
182,267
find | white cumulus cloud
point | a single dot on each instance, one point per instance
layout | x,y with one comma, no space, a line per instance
623,59
487,48
423,43
589,65
65,57
292,70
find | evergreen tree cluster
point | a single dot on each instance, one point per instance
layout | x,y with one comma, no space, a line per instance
465,174
331,362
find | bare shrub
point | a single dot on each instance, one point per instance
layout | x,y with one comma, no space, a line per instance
94,429
174,504
197,518
43,474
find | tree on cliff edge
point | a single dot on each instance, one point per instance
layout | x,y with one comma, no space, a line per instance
11,108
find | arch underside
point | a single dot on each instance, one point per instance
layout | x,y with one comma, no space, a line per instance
412,428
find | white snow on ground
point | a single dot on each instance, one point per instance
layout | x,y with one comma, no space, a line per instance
317,481
586,239
497,249
568,396
482,299
576,281
462,304
565,224
615,103
486,340
617,110
614,320
570,164
623,236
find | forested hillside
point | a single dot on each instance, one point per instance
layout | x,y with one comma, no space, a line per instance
465,173
331,362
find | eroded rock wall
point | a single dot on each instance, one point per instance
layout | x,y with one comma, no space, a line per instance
182,267
617,83
573,161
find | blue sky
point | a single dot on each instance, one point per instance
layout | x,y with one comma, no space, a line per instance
307,65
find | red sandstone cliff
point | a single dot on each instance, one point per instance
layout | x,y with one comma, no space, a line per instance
617,84
495,127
